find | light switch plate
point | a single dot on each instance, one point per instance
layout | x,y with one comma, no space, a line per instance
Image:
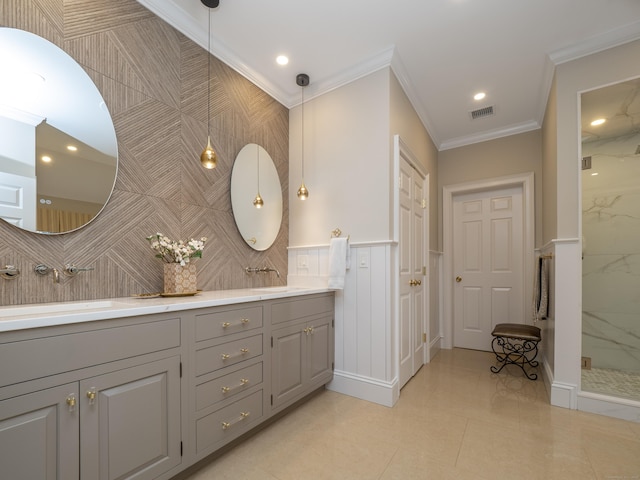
363,260
303,261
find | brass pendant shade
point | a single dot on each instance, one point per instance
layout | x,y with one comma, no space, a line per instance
303,193
258,202
208,157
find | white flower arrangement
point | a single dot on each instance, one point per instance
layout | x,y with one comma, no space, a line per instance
176,252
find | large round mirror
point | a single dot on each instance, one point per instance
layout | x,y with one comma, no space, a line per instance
255,174
58,147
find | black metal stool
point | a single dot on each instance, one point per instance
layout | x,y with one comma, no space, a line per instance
516,344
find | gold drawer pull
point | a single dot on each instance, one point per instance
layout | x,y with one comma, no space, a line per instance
243,382
242,323
227,356
91,395
230,424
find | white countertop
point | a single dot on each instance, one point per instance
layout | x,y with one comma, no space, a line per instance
21,317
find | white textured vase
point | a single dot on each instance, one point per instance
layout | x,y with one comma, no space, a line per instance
179,279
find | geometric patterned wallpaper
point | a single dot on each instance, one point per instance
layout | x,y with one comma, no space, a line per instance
154,82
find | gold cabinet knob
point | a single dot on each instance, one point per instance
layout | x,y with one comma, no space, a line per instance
91,395
458,279
71,402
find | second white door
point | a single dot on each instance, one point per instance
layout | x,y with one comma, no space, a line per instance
488,264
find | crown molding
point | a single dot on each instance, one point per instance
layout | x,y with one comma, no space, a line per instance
597,43
489,135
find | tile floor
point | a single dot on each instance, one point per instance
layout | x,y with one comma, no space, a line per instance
617,383
454,420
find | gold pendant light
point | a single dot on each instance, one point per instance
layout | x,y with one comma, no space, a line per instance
208,157
302,80
258,202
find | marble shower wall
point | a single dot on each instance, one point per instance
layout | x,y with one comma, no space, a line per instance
154,82
611,254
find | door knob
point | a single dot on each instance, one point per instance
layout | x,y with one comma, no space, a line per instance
412,283
458,279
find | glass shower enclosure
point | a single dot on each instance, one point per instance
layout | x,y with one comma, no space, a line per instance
611,240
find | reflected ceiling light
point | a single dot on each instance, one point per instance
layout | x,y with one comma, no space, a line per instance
302,79
72,148
258,202
597,122
282,60
594,174
208,157
46,158
479,96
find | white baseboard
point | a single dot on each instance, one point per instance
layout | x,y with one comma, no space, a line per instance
434,347
609,406
365,388
564,395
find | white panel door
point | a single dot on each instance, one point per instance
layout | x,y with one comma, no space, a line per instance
18,200
488,264
411,252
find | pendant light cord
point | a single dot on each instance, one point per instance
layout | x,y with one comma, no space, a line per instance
302,136
209,77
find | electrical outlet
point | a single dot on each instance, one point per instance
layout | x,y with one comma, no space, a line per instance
303,261
586,363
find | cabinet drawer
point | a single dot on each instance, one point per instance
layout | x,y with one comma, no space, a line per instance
220,323
229,422
301,308
228,386
230,353
41,357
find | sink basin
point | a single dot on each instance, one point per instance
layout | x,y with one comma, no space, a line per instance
47,308
277,289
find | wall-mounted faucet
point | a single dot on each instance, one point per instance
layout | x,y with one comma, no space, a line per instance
70,270
9,272
42,269
262,270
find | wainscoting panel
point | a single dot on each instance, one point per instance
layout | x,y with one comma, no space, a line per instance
363,332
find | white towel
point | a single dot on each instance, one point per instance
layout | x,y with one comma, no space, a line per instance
541,291
339,262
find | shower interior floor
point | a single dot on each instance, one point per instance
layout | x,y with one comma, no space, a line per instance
617,383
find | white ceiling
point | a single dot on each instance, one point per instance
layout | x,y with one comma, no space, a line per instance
442,51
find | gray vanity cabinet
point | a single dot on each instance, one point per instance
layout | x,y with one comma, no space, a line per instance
227,375
302,342
39,435
130,422
76,402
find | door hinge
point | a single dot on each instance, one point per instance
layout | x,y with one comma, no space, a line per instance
180,369
424,338
424,204
333,322
181,449
271,342
271,400
333,366
424,270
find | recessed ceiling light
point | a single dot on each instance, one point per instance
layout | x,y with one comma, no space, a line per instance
282,60
597,122
72,148
46,158
479,96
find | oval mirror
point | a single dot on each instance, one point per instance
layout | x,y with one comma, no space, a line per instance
58,148
254,173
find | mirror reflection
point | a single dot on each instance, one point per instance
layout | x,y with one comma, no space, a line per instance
58,148
255,173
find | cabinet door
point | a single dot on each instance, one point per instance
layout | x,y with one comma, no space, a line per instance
39,435
288,359
131,422
320,354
